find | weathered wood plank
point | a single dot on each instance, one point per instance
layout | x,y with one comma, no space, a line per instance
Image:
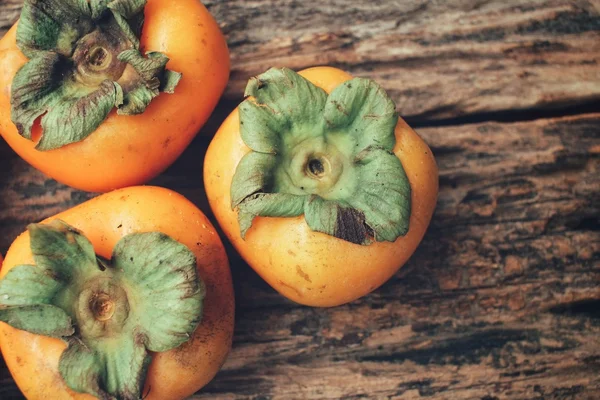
437,59
527,360
501,299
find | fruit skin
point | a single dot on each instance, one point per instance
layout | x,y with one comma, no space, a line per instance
176,374
309,267
130,150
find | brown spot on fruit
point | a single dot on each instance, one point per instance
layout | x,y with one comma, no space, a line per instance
282,283
303,274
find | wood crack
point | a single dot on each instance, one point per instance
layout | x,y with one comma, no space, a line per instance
549,111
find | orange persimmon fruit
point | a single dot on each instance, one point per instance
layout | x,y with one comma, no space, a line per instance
319,185
144,278
102,123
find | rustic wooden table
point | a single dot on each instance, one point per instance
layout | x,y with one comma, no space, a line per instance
502,299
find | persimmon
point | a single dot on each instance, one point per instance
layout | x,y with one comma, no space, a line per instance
127,295
81,86
319,185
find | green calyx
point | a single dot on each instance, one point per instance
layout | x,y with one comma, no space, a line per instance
327,157
111,313
84,60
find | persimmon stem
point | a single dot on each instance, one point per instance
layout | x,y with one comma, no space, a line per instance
102,307
316,167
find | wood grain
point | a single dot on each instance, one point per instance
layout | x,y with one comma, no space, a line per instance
502,299
438,59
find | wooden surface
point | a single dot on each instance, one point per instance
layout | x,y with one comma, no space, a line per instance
502,299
